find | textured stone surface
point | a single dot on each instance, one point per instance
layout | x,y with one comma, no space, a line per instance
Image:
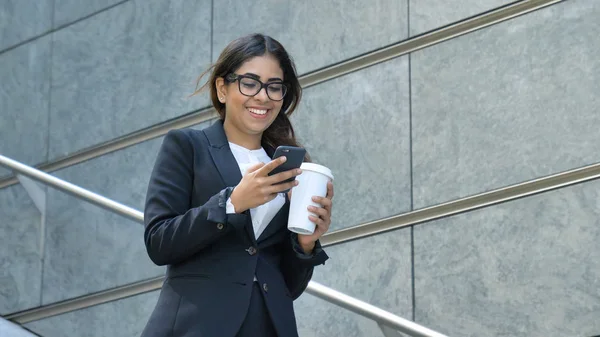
23,19
113,79
317,318
316,33
67,11
89,249
20,258
526,268
376,270
427,15
123,318
24,88
510,103
358,125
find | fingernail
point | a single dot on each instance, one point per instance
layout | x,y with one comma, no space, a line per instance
283,159
299,171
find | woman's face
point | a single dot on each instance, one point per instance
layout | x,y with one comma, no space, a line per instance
252,114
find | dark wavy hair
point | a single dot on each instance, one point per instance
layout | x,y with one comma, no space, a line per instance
280,132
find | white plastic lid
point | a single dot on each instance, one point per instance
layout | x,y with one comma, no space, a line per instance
317,168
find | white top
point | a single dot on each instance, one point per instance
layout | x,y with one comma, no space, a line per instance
263,214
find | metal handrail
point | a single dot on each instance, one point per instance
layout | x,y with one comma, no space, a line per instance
370,311
463,205
377,56
72,189
514,192
510,193
347,302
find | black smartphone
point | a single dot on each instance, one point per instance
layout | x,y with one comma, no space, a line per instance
295,158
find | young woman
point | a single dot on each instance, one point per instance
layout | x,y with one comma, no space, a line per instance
216,218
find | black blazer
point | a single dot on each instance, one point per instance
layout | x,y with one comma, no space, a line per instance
212,257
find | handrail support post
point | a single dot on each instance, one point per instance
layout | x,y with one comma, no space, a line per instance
37,194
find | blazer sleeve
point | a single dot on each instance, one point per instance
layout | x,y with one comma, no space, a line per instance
297,267
173,230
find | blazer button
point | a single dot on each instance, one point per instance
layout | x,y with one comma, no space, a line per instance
251,250
265,287
220,226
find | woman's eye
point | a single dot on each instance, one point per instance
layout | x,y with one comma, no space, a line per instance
249,85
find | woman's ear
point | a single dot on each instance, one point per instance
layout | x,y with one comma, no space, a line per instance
221,89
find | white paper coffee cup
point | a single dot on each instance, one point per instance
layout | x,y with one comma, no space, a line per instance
312,182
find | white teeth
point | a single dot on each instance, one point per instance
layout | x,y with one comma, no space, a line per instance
257,111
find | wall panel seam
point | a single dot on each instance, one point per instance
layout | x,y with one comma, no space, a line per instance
61,27
212,29
412,194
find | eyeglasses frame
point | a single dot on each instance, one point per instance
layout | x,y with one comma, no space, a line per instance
235,77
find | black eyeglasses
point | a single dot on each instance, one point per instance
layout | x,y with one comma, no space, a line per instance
250,86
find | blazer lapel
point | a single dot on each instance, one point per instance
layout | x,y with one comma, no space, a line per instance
221,154
225,162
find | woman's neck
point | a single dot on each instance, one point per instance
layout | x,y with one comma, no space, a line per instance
236,136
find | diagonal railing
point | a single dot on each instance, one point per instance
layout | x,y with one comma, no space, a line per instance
494,197
382,317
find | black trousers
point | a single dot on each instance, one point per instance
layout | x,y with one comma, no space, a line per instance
257,321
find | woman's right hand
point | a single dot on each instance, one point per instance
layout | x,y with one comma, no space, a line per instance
257,187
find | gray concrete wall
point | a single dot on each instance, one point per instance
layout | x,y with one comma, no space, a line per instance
502,105
507,104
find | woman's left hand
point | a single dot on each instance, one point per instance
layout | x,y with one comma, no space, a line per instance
322,221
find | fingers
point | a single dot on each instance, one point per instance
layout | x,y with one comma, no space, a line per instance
254,167
274,179
278,188
322,224
325,202
319,211
264,171
321,218
322,215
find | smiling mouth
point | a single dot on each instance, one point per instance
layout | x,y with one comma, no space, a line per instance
258,113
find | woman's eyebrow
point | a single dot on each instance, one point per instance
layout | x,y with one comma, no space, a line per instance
258,77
